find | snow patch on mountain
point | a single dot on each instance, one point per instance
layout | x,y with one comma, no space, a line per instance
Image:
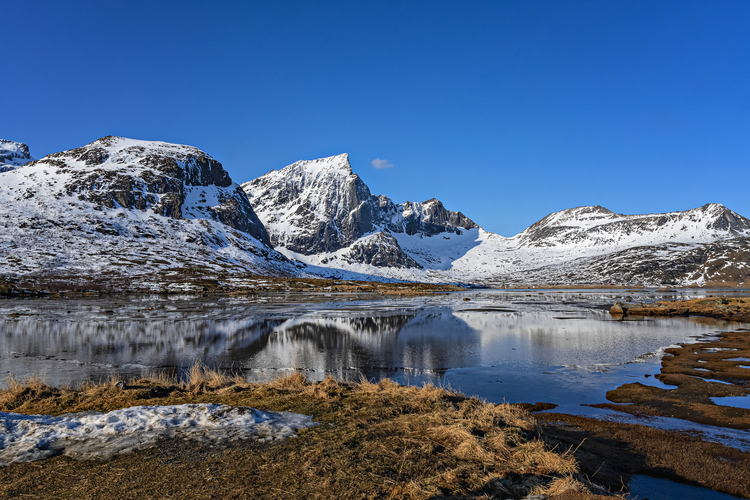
13,154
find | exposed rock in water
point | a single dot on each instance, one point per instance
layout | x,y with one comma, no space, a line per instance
616,309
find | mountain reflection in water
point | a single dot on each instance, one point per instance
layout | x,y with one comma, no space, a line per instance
347,347
500,345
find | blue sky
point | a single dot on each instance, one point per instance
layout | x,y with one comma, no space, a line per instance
505,110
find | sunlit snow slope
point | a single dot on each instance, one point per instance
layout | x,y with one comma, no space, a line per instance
122,207
13,154
321,213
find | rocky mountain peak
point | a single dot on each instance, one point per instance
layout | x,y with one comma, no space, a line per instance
13,154
719,218
598,226
171,180
313,206
186,164
321,206
123,207
322,167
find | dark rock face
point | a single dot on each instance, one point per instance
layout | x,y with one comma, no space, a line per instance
321,206
381,250
134,175
721,218
427,218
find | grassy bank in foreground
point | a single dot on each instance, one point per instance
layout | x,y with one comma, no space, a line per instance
375,441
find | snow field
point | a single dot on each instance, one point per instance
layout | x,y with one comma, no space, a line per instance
94,435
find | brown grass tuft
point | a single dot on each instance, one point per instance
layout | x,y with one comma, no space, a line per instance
19,392
294,382
201,378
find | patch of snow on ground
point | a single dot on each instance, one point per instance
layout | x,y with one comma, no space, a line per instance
94,435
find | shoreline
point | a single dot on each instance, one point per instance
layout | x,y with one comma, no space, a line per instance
607,453
230,285
598,453
198,282
728,309
374,440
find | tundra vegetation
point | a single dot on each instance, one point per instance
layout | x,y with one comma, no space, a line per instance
375,440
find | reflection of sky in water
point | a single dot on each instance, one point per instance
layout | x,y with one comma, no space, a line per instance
652,488
736,401
515,346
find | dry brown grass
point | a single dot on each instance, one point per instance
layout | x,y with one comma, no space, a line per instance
18,392
376,440
612,451
733,309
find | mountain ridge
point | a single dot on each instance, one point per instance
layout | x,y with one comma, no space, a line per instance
426,242
321,206
118,207
124,207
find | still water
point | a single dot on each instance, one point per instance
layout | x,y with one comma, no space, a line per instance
529,346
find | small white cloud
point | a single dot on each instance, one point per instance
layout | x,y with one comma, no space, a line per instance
378,163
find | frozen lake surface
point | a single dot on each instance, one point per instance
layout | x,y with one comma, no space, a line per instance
529,346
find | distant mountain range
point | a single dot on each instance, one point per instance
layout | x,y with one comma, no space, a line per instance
321,213
122,207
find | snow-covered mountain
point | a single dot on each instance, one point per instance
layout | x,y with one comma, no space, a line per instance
122,207
13,154
321,213
321,207
156,213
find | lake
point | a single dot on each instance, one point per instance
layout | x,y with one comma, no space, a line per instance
560,347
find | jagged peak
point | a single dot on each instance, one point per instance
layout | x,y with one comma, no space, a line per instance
586,210
14,146
712,208
431,201
13,154
338,164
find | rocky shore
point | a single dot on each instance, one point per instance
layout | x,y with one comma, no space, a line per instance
730,309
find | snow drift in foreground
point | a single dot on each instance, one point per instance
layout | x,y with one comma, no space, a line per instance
95,435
